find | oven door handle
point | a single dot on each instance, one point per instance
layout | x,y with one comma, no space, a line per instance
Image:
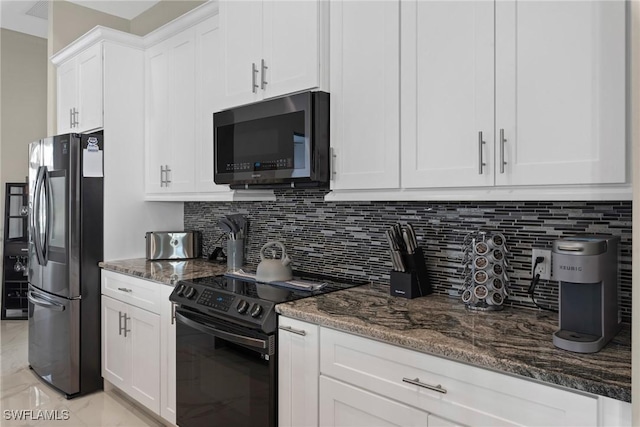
235,338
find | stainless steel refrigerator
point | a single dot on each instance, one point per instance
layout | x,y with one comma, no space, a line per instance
65,246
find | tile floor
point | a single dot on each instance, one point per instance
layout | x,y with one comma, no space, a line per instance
20,389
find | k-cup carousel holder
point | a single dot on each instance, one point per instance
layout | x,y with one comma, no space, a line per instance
486,281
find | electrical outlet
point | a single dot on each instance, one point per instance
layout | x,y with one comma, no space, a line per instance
543,268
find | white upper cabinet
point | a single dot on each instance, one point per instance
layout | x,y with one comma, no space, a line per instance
170,101
560,92
80,92
447,93
365,95
498,100
269,48
209,83
241,33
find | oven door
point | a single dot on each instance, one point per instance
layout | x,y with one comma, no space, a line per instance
225,375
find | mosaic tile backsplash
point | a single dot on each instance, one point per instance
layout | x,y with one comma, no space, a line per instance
346,240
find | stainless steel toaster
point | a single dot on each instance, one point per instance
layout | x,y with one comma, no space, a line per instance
173,244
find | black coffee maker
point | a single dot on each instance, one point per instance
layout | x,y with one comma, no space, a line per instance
587,269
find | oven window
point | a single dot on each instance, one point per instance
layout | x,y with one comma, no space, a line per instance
220,383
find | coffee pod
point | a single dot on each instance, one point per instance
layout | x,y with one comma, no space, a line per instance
495,298
480,262
481,277
496,255
467,296
480,291
497,269
496,240
481,248
496,284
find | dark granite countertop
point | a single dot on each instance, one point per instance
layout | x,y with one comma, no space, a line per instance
166,271
514,340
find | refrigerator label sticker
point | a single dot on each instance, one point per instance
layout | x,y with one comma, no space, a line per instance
92,144
92,163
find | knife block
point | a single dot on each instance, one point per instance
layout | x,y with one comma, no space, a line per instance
414,282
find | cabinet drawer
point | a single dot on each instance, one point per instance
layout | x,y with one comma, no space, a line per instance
460,392
139,292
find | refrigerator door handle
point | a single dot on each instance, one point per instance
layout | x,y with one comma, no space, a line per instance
44,303
47,216
35,217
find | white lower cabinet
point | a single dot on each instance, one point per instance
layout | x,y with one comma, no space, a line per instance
450,390
343,405
131,345
297,373
138,343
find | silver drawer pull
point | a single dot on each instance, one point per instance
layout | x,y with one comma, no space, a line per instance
294,331
125,290
417,382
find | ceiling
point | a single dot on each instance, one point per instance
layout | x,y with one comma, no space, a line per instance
30,16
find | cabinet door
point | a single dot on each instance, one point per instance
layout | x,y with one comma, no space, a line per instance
345,405
90,95
143,335
241,31
181,146
291,46
208,94
116,356
560,91
167,358
156,115
66,95
298,360
447,93
365,110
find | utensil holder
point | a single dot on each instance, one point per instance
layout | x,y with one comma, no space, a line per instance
414,282
235,254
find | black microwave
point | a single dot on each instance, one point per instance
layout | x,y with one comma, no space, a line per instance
283,142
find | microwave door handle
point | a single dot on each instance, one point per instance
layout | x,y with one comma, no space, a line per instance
229,336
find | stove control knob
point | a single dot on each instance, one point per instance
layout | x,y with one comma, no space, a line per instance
256,310
180,290
242,306
190,293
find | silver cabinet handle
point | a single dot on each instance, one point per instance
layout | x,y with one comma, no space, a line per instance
293,331
70,117
126,319
417,382
76,113
167,181
254,71
263,73
125,290
162,183
502,141
120,327
481,164
332,165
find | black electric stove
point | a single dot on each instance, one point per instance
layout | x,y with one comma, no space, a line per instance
245,302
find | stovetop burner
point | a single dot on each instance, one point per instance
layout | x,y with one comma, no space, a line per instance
246,302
